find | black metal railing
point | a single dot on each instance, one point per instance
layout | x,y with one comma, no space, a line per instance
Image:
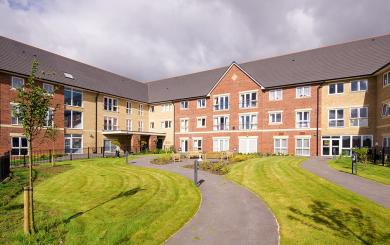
379,155
4,166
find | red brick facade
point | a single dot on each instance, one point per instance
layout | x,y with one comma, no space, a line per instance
234,82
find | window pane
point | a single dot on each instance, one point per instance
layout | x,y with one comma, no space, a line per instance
340,88
346,141
367,142
77,98
77,118
15,142
364,112
340,114
67,97
363,85
23,142
67,119
354,113
356,141
332,114
354,86
332,88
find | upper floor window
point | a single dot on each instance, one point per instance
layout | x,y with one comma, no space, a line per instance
151,125
359,85
15,120
129,125
276,94
302,92
141,109
248,100
386,79
166,107
201,122
17,82
19,146
275,117
110,123
110,104
128,107
73,119
336,118
183,125
386,110
221,123
183,105
336,88
386,141
151,108
49,118
221,102
359,117
302,119
166,124
140,126
73,97
49,88
248,122
201,103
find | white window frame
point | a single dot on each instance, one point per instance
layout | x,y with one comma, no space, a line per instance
298,122
13,81
184,125
221,144
20,147
72,90
14,109
111,147
220,102
279,148
151,125
129,125
336,119
303,92
140,126
151,108
201,103
218,126
140,109
128,108
49,118
253,121
300,148
386,141
71,119
386,109
201,120
336,88
45,87
110,127
166,107
359,84
184,105
71,137
386,79
275,95
166,124
195,144
359,119
270,117
251,103
111,105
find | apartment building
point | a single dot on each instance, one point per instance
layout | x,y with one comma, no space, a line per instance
324,101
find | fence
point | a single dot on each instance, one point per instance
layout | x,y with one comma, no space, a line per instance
379,155
59,155
4,166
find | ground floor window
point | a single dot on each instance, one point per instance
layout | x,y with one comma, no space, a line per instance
183,145
302,147
343,145
197,144
73,143
220,144
386,141
280,146
19,146
109,146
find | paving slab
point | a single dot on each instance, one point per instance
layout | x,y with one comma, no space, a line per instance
229,213
375,191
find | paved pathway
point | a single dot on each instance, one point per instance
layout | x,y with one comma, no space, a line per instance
372,190
229,214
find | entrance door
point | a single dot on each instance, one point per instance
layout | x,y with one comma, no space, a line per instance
331,146
184,145
335,147
247,145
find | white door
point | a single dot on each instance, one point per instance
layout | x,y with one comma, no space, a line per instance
247,145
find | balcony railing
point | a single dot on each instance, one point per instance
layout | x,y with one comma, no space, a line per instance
304,124
248,104
221,127
112,128
247,126
221,107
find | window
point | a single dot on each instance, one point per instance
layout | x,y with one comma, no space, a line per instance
359,117
73,119
386,141
201,103
248,122
166,124
275,117
386,110
151,108
49,118
221,123
128,107
184,105
73,97
151,125
140,126
336,88
275,95
49,88
141,109
336,118
183,125
73,143
201,122
302,92
197,144
166,107
302,147
17,82
221,102
280,145
110,123
386,79
19,146
220,144
110,104
129,125
109,147
302,119
248,100
346,145
359,85
15,120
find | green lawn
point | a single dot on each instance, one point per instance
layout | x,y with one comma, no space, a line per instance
311,210
374,172
104,201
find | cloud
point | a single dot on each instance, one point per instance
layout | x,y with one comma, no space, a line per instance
148,40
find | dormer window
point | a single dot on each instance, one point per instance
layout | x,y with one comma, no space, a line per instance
68,75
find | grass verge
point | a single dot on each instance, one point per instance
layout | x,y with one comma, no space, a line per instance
309,209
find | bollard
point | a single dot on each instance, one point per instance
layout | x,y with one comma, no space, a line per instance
26,219
127,157
354,163
196,165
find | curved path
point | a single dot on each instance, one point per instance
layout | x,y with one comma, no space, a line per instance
229,214
372,190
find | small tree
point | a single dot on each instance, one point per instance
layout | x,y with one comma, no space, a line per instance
32,108
51,133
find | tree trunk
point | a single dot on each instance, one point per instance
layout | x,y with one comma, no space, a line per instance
30,161
52,155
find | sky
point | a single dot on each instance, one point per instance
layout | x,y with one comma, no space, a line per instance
156,39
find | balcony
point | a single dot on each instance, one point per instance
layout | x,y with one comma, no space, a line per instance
248,126
221,127
247,104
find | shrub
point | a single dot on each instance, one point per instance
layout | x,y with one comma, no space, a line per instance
362,154
241,157
162,160
220,167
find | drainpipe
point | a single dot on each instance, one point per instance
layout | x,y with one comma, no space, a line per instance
96,120
173,126
317,118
